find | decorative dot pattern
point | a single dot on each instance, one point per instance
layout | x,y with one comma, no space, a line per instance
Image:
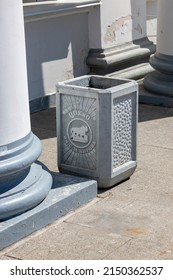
122,131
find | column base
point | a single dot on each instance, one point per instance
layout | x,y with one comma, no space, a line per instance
162,63
159,83
106,61
32,186
23,184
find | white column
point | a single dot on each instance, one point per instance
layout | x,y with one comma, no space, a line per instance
23,184
14,110
161,81
164,27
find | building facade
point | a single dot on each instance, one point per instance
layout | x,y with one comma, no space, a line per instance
66,39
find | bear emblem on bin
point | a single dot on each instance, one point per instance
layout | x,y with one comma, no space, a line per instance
78,134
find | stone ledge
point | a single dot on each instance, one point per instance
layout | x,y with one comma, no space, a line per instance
39,11
67,194
135,72
42,103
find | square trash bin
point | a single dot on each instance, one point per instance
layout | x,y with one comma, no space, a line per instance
97,128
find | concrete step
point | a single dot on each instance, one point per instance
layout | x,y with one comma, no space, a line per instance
136,72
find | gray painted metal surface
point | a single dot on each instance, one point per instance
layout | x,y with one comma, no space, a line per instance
97,128
68,193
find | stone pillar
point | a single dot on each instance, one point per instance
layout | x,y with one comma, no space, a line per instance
118,39
23,184
161,81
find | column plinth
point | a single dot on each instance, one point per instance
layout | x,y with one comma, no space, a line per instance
161,81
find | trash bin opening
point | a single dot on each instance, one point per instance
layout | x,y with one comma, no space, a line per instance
97,82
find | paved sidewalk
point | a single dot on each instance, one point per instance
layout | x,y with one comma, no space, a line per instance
130,221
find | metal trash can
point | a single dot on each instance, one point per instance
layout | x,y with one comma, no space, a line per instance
97,128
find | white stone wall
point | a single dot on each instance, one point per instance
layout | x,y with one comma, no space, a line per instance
122,21
58,43
117,22
56,50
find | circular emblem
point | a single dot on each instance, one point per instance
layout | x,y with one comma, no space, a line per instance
79,133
